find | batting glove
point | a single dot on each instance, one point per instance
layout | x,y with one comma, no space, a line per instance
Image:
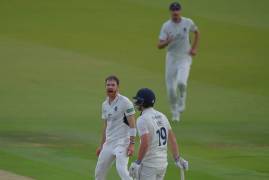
134,169
182,163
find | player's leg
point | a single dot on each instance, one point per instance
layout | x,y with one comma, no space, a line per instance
182,79
148,173
171,86
104,162
161,174
122,163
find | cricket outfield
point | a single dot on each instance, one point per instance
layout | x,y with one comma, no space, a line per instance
54,56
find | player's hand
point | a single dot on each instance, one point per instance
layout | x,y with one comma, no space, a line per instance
98,151
134,170
182,164
193,52
169,39
130,150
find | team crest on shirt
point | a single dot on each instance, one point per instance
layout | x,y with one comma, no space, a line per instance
116,108
185,29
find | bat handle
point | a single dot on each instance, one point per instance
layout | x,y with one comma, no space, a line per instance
182,175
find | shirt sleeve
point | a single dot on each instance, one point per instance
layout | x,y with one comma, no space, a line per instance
103,113
129,110
141,127
193,26
163,34
167,123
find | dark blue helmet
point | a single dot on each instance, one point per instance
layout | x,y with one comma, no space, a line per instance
175,6
145,97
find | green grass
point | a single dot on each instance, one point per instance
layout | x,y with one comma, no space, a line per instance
54,56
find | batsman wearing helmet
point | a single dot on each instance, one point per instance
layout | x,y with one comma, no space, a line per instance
155,132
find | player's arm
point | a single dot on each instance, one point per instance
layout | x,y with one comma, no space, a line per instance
179,161
143,148
196,38
164,42
103,139
132,133
144,134
164,38
173,144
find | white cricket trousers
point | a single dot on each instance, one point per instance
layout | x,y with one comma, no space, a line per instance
107,156
176,74
150,173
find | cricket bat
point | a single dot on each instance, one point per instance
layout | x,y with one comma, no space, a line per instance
182,175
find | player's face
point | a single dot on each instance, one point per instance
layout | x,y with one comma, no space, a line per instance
137,105
140,108
111,88
175,14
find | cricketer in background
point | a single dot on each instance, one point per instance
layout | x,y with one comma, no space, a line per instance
119,132
175,35
155,132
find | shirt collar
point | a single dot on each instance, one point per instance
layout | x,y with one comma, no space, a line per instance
176,23
147,110
114,101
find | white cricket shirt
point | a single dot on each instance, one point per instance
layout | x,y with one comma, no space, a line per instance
180,46
155,124
116,114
